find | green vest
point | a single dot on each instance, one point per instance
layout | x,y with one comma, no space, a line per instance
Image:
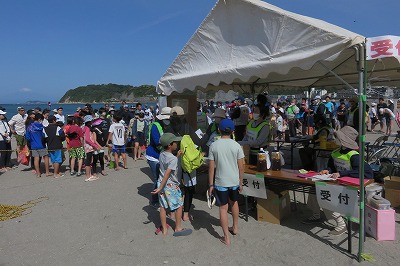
342,161
160,130
252,133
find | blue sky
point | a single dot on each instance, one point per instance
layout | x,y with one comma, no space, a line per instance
50,46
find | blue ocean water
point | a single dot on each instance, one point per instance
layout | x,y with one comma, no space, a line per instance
11,109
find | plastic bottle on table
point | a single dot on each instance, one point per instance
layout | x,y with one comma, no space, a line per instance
275,160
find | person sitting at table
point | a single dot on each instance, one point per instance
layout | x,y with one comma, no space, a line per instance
342,162
257,132
307,154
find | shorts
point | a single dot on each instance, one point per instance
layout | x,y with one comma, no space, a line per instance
78,153
39,153
56,156
88,159
170,197
21,140
118,148
225,194
140,138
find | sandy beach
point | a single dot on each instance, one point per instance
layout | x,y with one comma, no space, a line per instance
110,222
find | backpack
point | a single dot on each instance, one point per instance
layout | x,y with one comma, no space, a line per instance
192,158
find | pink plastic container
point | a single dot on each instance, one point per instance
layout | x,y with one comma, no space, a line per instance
380,224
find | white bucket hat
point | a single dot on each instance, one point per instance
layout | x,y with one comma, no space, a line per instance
165,113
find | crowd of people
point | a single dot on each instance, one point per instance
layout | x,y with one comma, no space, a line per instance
106,135
86,135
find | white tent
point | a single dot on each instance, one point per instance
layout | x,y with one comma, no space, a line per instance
250,45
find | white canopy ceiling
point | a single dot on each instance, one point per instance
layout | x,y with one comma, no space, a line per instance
245,44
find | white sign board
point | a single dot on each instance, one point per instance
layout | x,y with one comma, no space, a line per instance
341,199
254,186
383,46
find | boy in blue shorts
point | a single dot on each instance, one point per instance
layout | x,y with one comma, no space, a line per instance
54,137
227,157
168,190
117,136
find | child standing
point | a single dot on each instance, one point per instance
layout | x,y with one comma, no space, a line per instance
90,147
170,195
139,131
117,135
227,157
55,137
76,151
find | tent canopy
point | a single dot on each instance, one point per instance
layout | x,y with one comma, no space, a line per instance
250,45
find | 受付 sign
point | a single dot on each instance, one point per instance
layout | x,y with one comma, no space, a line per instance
254,186
341,199
383,46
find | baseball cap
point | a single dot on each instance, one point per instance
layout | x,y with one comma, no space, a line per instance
168,138
87,118
318,97
178,110
226,125
240,98
126,106
2,112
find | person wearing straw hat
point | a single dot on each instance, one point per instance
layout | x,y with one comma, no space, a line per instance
342,162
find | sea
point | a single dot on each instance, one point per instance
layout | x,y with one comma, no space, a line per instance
69,108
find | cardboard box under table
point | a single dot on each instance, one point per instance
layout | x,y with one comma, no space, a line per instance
275,208
392,190
380,224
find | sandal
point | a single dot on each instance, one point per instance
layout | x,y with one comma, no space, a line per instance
78,173
72,173
159,229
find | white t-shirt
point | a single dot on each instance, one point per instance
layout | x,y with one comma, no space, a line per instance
226,153
60,118
118,133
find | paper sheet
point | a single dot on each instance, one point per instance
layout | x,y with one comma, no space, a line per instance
199,133
321,177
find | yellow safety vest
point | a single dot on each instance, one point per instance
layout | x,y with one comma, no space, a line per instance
253,132
342,161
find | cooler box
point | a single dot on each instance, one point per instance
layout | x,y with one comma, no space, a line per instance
380,224
275,208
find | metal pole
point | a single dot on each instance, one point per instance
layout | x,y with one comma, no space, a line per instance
362,107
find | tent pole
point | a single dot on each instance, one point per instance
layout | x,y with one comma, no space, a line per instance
362,106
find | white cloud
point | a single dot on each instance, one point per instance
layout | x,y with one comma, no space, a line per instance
25,90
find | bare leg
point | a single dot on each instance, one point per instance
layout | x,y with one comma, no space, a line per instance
235,216
72,165
88,171
135,151
37,166
124,159
178,219
116,158
223,217
163,218
80,162
56,169
46,165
